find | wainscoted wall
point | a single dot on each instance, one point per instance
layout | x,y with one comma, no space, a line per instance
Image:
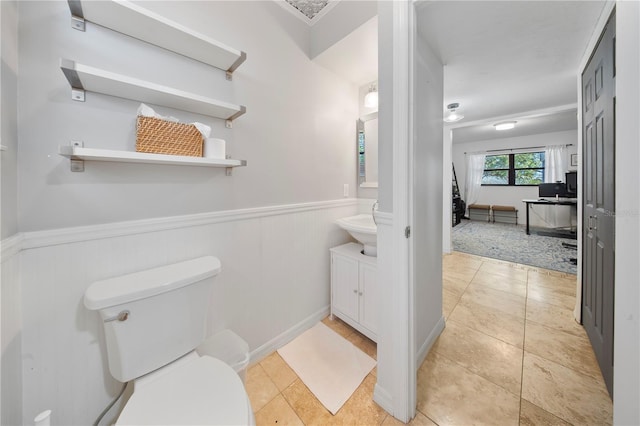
10,334
274,283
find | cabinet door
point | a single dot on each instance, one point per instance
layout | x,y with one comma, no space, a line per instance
369,297
344,285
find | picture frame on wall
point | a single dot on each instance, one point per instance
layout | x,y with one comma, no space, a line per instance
574,160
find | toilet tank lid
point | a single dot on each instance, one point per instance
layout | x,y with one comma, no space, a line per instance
150,282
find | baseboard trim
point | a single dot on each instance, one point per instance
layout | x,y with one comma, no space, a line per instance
383,399
431,339
37,239
283,338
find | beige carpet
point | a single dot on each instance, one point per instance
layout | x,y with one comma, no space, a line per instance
330,366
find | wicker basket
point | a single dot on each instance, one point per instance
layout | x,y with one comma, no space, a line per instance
165,137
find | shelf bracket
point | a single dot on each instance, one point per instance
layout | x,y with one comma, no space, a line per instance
77,165
77,17
78,94
235,65
77,90
78,23
229,121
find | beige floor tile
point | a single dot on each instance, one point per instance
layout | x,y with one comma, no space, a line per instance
508,328
497,300
532,415
277,412
563,348
459,272
419,420
278,370
457,259
339,326
550,295
363,343
493,359
360,408
507,270
574,397
566,285
449,301
502,283
450,394
260,387
454,285
553,316
554,273
306,405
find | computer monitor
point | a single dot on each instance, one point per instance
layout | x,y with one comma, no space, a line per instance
571,178
552,190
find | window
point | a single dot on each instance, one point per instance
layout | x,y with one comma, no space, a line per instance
514,169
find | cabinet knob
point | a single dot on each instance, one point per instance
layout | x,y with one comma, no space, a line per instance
355,291
360,293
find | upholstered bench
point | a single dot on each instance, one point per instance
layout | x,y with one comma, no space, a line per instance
504,214
479,212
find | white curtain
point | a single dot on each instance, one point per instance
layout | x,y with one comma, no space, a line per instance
473,181
555,163
555,166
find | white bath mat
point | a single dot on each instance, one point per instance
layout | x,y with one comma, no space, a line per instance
330,366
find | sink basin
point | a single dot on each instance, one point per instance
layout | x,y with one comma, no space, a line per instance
362,228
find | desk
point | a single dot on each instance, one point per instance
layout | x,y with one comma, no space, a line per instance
551,202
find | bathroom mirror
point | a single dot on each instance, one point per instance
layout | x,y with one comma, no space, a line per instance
367,144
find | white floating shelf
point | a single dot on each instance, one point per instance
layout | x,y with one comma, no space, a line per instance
79,153
138,22
3,148
85,78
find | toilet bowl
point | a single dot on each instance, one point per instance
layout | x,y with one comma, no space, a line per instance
198,390
153,321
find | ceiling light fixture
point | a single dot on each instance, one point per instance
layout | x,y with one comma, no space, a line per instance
505,125
453,116
371,98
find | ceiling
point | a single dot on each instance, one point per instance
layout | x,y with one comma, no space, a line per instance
501,58
355,57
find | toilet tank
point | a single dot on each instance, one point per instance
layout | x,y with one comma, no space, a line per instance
153,317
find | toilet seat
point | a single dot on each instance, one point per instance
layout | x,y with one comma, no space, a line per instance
202,390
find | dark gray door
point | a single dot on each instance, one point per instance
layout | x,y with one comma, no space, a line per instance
598,202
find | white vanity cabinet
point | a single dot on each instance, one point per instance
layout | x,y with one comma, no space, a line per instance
354,284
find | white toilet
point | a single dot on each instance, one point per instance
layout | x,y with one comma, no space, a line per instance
153,321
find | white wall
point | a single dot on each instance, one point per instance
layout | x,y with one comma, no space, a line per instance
298,138
300,119
340,22
10,333
8,126
626,373
427,198
512,195
10,318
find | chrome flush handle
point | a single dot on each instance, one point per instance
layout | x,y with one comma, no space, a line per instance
122,316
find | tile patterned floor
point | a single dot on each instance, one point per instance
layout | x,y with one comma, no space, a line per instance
510,354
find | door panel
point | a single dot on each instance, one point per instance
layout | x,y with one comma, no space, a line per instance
344,273
369,297
598,168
